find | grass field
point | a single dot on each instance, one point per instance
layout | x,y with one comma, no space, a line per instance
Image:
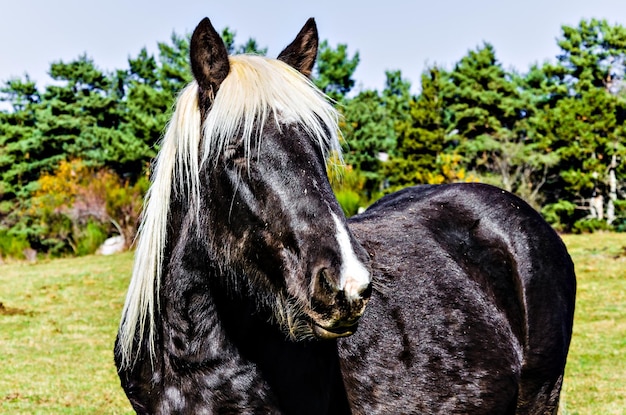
57,326
58,321
595,376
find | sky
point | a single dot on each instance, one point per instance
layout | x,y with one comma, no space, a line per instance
388,34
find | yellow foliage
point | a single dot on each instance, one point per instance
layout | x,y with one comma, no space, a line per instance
451,170
59,188
81,194
344,176
74,183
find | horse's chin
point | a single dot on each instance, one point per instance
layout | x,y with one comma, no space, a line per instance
329,333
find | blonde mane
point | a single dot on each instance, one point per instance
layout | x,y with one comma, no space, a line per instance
256,92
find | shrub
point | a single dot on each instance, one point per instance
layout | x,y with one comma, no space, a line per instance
348,185
559,214
12,245
620,216
77,207
590,225
90,238
349,200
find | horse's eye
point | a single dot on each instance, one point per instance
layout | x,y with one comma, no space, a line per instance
230,151
233,153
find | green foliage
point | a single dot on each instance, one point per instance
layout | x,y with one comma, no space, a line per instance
421,137
334,70
587,125
11,245
251,46
348,185
367,133
349,200
369,130
90,237
554,135
488,121
559,214
590,225
593,55
619,224
112,122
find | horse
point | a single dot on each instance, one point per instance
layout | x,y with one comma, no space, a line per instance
252,293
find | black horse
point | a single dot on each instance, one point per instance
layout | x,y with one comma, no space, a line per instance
249,284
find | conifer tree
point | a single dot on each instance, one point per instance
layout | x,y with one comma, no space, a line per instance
488,118
334,70
369,125
588,123
421,137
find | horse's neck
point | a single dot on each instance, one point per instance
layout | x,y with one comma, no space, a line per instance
304,375
220,339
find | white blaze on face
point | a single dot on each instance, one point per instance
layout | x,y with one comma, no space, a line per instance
354,277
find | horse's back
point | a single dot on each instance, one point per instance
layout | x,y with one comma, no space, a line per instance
472,310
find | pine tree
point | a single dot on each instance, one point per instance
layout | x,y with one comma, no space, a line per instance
369,125
490,119
421,137
334,70
587,124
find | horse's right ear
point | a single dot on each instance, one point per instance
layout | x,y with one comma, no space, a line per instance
302,52
209,58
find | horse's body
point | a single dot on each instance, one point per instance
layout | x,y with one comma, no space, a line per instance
249,283
473,311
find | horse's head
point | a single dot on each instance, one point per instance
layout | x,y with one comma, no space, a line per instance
271,213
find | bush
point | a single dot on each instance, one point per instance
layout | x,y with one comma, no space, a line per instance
11,245
349,200
620,216
90,238
348,185
77,207
590,225
559,214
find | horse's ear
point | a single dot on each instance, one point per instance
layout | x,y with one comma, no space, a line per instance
209,58
302,52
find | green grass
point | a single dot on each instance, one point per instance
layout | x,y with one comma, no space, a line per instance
595,376
59,318
57,327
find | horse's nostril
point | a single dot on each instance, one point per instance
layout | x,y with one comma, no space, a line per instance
366,292
324,283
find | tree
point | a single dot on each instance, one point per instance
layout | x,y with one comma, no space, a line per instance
150,87
593,55
489,118
75,116
369,130
16,128
421,137
334,70
588,133
250,46
588,123
111,121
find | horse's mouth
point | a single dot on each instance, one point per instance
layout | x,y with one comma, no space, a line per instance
333,332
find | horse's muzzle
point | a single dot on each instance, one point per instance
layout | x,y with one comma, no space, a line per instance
334,312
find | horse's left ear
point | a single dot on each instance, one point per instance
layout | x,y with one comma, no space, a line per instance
302,52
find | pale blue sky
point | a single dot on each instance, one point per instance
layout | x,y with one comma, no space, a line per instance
389,34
